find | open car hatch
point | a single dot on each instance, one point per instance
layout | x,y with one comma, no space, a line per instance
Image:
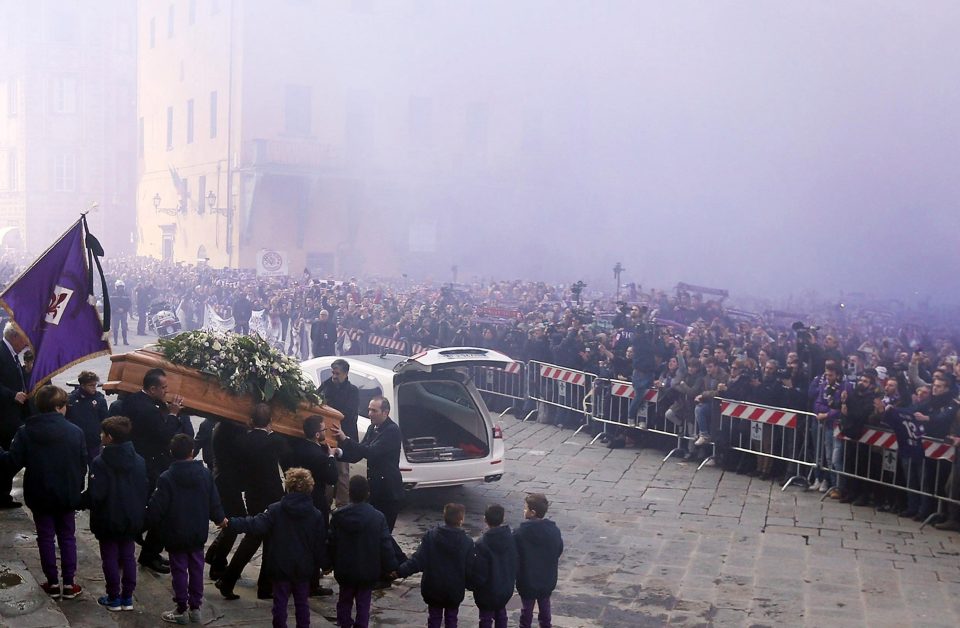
435,360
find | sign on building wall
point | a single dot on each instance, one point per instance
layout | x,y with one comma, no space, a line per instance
271,263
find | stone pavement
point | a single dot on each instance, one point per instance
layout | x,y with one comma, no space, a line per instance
648,543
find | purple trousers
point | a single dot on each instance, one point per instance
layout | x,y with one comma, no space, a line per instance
186,571
345,607
117,557
497,618
301,602
543,615
438,614
52,530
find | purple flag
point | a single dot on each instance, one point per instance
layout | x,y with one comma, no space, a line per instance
53,303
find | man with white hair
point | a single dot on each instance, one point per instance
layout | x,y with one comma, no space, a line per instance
13,401
323,335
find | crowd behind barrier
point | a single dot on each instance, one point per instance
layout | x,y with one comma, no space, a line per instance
839,372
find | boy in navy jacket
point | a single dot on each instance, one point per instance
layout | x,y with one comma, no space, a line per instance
185,500
117,498
87,408
362,552
295,545
497,569
445,556
539,546
54,453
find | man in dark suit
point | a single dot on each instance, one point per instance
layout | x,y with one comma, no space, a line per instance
381,447
340,394
263,486
154,422
13,402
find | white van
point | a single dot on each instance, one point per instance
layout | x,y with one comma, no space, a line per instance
449,438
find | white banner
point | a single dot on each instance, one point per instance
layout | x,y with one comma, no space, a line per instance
259,324
213,322
272,263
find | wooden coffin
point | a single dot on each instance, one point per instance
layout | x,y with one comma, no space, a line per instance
203,395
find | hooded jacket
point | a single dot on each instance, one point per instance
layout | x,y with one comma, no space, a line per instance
117,493
445,556
539,546
360,546
185,500
54,452
295,538
86,412
496,568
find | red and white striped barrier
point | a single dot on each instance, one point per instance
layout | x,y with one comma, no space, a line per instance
387,343
935,450
622,389
513,368
760,414
562,375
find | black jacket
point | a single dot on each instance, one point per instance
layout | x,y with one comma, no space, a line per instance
227,444
539,546
445,556
54,453
859,407
12,381
360,546
86,413
496,569
316,459
295,538
344,397
261,471
117,493
185,500
153,427
381,447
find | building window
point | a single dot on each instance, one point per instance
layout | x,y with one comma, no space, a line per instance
190,121
192,12
202,194
13,97
169,128
65,173
213,115
64,94
170,22
153,32
296,110
140,137
13,172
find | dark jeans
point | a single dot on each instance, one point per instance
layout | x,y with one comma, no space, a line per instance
186,570
301,603
641,381
497,618
437,615
52,530
120,327
543,615
345,607
117,557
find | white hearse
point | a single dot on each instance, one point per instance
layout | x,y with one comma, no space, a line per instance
449,437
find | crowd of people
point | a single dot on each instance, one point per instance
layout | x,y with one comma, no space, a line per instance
850,368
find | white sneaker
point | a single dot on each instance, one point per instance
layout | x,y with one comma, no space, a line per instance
702,440
824,487
642,425
815,486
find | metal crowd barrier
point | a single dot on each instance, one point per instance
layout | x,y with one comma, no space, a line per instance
875,458
771,433
508,383
611,399
561,387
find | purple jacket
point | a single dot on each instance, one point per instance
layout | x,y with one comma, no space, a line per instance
827,400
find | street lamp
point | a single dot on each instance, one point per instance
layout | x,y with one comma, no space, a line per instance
616,273
171,211
212,204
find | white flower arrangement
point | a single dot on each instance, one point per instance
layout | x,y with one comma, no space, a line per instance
243,365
